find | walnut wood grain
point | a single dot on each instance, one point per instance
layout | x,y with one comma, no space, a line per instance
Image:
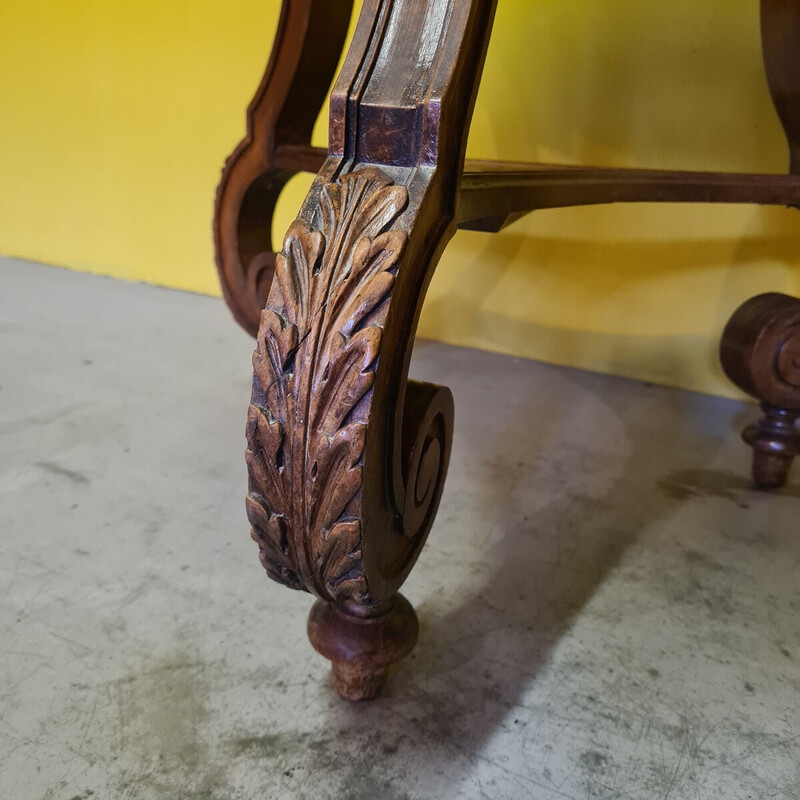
509,193
320,336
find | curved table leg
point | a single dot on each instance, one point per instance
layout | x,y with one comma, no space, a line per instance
280,118
760,353
347,457
780,41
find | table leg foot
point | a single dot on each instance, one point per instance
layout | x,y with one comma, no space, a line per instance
362,648
760,353
776,443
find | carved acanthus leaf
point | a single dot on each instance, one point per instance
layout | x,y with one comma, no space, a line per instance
314,363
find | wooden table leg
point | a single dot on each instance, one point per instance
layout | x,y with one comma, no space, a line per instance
346,457
760,348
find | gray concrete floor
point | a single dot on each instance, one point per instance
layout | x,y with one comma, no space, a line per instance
608,610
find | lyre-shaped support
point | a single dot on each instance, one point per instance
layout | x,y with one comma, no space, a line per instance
280,120
346,457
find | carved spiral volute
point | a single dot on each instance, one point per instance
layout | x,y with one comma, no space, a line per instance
427,436
787,365
760,349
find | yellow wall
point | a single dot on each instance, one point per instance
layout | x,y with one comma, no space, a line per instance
115,118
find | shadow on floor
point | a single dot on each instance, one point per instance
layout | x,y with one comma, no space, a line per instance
476,660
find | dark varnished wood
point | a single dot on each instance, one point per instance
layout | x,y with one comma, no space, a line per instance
280,120
760,353
780,39
508,192
496,193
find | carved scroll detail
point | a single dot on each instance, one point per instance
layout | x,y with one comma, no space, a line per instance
314,365
787,364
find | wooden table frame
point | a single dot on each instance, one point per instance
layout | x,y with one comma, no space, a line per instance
346,456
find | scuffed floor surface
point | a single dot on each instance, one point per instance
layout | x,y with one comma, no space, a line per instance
608,610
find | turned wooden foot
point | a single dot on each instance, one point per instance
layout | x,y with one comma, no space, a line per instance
280,120
760,353
362,648
775,440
